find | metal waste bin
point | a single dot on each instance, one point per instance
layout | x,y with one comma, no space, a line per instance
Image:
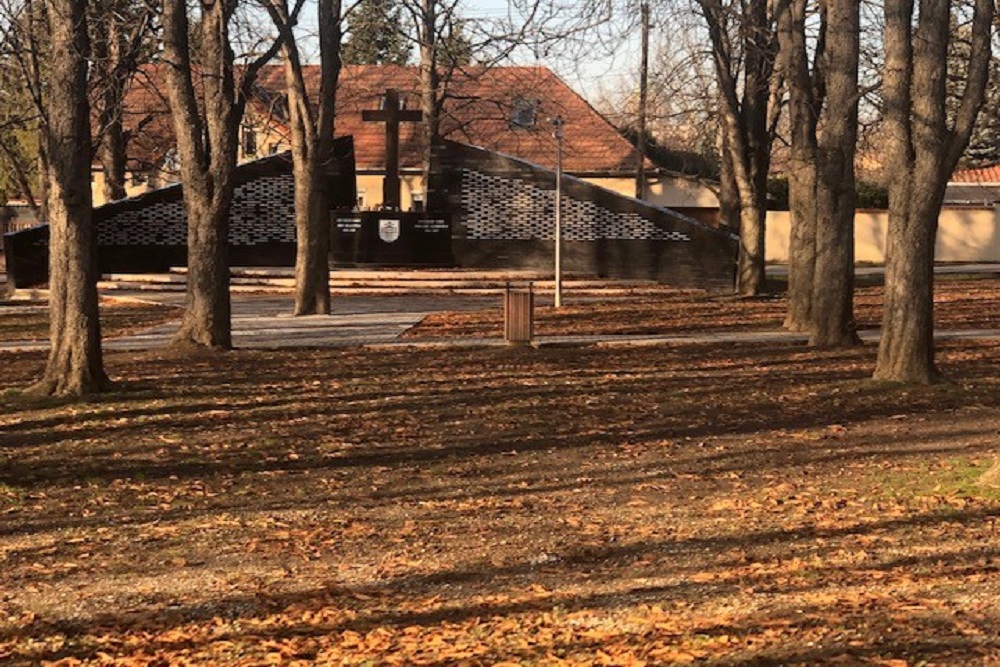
519,314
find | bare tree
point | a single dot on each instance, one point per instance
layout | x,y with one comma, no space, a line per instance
207,129
744,39
451,45
26,40
312,131
823,112
120,39
923,148
75,365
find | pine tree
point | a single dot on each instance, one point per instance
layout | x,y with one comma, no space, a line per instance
376,35
984,147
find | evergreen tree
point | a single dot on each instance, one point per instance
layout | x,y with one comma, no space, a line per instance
376,35
984,147
455,50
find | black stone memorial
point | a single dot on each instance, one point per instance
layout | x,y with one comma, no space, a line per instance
390,237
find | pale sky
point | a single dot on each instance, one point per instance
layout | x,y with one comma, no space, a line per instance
607,63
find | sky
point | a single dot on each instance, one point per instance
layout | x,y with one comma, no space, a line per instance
607,63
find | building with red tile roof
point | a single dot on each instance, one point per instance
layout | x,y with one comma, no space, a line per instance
978,186
503,109
482,107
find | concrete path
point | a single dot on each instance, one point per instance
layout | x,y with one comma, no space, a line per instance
263,322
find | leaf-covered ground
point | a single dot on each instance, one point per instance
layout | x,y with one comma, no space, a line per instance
960,302
719,505
28,321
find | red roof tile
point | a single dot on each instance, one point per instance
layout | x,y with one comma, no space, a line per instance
477,111
989,174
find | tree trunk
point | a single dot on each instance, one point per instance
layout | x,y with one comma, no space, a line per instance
13,159
802,170
729,194
107,48
924,151
113,161
312,264
207,146
801,242
833,281
312,143
75,366
750,275
43,182
832,312
745,81
906,350
207,314
821,182
430,98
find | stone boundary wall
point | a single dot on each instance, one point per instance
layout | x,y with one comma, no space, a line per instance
503,212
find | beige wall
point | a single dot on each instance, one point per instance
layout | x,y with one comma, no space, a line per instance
157,180
680,193
964,235
370,190
664,191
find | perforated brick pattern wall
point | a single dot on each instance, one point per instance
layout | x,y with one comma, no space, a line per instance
263,211
511,208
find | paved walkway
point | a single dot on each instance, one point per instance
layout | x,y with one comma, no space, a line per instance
263,322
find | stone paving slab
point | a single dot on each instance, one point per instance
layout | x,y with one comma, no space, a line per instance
264,322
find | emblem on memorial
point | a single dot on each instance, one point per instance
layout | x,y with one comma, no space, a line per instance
388,230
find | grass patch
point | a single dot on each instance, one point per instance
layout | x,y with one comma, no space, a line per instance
946,478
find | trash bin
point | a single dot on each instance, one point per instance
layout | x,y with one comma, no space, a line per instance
518,314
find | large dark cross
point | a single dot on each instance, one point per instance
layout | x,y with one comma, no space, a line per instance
391,115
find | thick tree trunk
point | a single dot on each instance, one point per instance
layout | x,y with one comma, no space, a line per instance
207,146
75,365
801,242
832,311
207,314
312,264
924,151
312,143
906,350
833,281
821,184
802,171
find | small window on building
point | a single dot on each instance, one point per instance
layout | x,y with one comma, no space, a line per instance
249,141
418,201
524,112
361,200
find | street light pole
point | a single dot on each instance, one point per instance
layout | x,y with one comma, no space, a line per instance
558,122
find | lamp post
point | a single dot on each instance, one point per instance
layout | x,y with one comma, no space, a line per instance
558,123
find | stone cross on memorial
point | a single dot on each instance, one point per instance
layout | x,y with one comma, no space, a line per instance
392,115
